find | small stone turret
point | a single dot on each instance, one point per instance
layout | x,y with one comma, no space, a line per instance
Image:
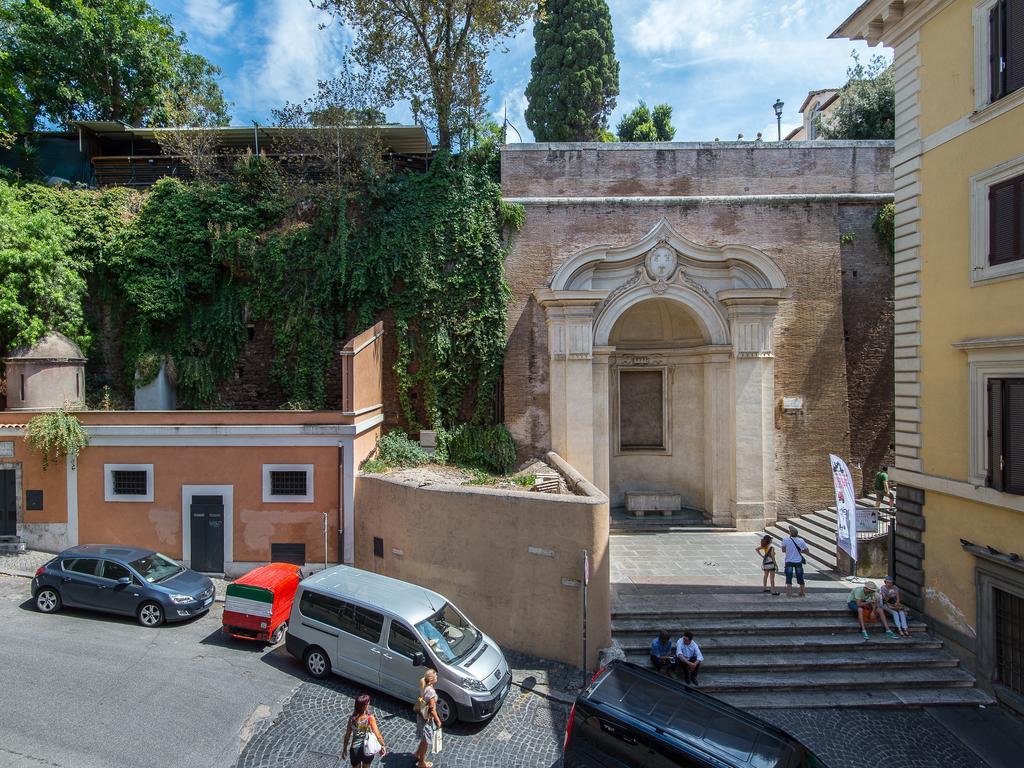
46,375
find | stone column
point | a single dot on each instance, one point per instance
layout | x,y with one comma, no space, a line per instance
753,379
570,320
719,438
602,423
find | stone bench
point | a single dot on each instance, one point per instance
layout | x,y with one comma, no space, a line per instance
640,503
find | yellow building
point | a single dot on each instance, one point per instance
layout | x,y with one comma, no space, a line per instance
959,290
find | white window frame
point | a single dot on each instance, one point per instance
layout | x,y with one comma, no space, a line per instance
981,271
995,358
108,483
984,107
268,498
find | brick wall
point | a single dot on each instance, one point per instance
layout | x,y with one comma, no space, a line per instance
803,236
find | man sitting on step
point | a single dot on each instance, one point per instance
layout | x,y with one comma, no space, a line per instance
688,657
662,657
864,601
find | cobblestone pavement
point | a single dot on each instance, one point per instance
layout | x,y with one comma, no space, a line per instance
866,738
527,731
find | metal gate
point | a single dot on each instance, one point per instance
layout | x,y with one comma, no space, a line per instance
1010,640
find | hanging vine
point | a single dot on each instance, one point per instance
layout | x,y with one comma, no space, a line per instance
57,435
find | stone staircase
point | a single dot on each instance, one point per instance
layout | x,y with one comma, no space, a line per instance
763,651
624,523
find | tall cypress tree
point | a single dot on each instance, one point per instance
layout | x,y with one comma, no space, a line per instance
575,75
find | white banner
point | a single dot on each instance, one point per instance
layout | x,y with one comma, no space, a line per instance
846,507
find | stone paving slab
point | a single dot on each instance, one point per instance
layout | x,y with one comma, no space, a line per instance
868,738
527,731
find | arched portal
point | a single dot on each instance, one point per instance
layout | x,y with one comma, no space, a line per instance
657,403
692,322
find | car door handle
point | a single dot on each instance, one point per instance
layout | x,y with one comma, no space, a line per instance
65,580
375,650
387,655
100,586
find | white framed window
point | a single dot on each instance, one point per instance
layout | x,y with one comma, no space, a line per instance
289,483
128,482
982,267
998,60
994,358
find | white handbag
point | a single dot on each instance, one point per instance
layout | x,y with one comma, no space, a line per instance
370,744
436,747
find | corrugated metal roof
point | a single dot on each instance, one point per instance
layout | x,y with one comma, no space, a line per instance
400,139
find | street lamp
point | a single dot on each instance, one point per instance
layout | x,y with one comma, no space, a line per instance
777,106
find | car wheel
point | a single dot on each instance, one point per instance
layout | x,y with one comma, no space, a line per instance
151,615
48,600
278,635
446,709
318,664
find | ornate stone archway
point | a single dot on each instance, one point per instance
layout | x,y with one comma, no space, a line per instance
732,292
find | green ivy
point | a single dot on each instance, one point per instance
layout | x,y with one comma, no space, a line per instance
885,226
184,266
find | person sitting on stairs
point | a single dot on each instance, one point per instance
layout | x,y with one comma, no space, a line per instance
662,658
688,657
864,601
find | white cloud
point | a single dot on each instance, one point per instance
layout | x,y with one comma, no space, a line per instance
514,100
294,53
210,18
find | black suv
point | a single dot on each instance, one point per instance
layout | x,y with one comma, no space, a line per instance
631,716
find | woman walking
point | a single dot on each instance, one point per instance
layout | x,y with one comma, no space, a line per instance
892,604
768,563
426,717
362,731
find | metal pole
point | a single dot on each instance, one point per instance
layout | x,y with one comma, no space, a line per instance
778,121
325,541
586,580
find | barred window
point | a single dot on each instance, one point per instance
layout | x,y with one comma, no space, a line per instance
288,483
131,482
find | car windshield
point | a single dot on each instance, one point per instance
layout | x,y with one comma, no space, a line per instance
156,567
449,634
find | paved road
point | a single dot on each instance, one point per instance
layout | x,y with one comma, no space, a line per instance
83,690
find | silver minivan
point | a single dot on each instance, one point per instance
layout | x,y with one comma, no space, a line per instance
384,632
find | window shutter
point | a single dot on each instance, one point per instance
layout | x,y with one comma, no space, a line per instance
1013,436
1005,203
1013,51
995,434
995,52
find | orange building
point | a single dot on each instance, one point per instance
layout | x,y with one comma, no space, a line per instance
219,490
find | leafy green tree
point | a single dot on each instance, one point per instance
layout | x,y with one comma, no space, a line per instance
72,60
643,125
41,288
575,75
432,52
867,103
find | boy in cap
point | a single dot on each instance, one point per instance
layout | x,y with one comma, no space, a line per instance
864,600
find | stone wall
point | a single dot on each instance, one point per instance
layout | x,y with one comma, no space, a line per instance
793,201
510,560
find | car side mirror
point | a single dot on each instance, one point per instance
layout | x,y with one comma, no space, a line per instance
125,580
419,660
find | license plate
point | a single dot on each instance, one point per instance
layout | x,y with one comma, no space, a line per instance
504,691
207,602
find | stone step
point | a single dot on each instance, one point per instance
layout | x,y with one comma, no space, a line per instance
711,626
641,528
885,698
868,656
847,679
790,644
818,539
777,607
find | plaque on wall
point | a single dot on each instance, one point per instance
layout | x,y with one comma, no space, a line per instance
33,500
6,449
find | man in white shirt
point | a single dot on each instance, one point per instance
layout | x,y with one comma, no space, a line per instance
795,548
688,657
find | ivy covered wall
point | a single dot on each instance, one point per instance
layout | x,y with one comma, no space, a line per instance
181,274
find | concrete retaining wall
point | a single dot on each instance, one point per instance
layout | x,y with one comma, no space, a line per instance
511,560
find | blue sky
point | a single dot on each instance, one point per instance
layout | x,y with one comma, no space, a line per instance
719,63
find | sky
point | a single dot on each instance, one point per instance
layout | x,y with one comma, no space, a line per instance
720,64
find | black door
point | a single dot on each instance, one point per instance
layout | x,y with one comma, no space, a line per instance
208,533
8,504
